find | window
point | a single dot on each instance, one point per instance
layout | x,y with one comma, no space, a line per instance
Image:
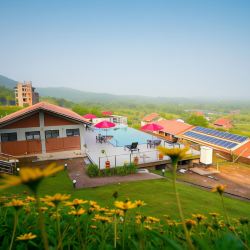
33,135
73,132
51,134
8,137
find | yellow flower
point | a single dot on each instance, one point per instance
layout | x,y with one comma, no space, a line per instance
140,203
55,199
78,212
214,215
148,227
140,219
172,223
219,189
75,203
28,236
199,217
93,226
117,212
124,205
103,219
190,223
175,154
151,219
30,177
30,199
43,209
17,204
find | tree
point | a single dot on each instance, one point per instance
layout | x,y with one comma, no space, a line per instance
197,120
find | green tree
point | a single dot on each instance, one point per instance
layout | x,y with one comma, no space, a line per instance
197,120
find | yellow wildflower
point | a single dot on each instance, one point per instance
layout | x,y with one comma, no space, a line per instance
148,227
151,219
30,177
214,215
75,203
78,212
102,219
28,236
43,209
175,154
55,199
30,199
190,223
140,203
199,217
124,205
219,189
93,226
17,204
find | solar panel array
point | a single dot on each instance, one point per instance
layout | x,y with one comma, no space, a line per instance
223,135
212,140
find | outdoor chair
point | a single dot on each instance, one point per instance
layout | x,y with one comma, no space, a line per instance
157,143
150,143
133,147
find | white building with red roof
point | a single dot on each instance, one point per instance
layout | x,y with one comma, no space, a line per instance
224,123
151,118
41,128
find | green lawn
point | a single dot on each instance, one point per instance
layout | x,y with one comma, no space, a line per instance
158,194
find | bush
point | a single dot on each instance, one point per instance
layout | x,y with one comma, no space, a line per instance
93,170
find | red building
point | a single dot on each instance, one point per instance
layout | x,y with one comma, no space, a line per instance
41,128
224,123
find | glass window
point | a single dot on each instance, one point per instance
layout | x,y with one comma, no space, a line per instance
32,135
51,134
8,137
73,132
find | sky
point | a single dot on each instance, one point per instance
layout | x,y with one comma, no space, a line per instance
163,48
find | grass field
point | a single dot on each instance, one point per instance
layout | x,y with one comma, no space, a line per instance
158,194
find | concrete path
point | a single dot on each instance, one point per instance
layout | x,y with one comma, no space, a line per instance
77,171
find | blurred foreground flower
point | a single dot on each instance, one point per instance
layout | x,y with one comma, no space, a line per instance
55,200
30,177
219,189
77,212
28,236
125,205
17,204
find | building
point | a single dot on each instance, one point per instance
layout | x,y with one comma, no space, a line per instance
41,128
25,94
151,118
117,119
224,123
172,128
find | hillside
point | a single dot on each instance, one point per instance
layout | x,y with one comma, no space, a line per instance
7,82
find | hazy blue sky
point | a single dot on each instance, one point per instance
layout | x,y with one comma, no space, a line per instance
156,48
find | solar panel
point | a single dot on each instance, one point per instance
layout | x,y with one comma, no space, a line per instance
212,140
223,135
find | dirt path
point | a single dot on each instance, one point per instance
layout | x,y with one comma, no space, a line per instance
235,176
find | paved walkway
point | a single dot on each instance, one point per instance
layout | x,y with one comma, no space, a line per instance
77,171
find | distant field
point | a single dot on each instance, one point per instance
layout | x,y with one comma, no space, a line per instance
241,129
158,194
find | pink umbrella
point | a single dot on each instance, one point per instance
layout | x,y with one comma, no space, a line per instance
107,113
105,125
89,116
152,127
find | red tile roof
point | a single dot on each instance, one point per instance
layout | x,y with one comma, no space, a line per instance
45,107
174,127
150,117
244,150
223,122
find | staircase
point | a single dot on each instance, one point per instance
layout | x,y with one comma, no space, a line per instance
7,164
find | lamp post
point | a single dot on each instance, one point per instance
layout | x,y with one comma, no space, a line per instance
65,166
163,172
74,183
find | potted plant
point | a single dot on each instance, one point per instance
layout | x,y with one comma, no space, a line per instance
107,162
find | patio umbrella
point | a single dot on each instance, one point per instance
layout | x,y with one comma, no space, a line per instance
152,127
107,113
89,116
105,125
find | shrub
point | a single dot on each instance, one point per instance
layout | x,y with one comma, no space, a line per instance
92,170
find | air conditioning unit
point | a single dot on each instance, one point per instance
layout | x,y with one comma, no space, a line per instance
206,155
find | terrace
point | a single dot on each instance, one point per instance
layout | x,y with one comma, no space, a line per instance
118,155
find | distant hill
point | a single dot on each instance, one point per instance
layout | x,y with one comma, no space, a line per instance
7,82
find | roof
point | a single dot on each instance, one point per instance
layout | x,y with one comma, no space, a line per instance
222,121
150,117
174,127
44,106
244,150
